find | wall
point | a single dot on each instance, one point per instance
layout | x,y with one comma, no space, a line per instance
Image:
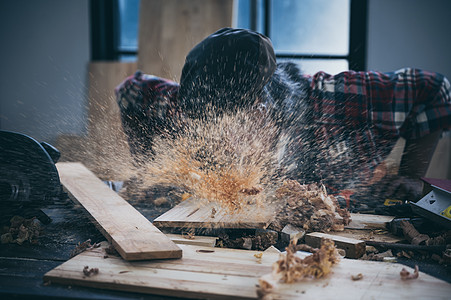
43,76
413,33
409,33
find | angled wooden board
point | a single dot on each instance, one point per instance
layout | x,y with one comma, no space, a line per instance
218,273
132,235
368,221
193,213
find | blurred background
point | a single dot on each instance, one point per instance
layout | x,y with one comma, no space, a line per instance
61,59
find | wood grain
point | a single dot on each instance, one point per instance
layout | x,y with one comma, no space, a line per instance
217,273
193,213
198,240
169,29
368,221
132,235
354,248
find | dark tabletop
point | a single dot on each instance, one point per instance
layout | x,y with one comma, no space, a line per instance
22,267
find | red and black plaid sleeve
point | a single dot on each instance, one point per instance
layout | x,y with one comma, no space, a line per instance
148,106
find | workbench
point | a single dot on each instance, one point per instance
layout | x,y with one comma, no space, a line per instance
22,267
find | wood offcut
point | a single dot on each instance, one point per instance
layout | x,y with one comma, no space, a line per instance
131,234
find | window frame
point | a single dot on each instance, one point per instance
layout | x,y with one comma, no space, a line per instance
357,36
105,30
104,15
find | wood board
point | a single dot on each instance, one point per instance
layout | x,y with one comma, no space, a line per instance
193,213
169,29
354,248
218,273
368,221
198,240
131,234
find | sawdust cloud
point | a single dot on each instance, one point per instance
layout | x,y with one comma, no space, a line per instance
232,159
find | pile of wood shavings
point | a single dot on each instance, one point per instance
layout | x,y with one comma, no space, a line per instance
309,207
21,230
291,268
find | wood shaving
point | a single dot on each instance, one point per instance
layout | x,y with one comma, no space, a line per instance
309,207
88,272
82,247
412,235
291,268
189,235
213,213
406,275
110,250
21,230
251,191
357,277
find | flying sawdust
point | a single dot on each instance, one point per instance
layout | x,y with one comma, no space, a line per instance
230,159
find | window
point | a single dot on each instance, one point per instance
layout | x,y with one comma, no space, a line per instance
327,35
114,29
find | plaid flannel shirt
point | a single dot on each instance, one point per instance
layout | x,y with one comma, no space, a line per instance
148,105
357,116
360,115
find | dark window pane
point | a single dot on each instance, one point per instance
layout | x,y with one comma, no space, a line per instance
310,26
128,24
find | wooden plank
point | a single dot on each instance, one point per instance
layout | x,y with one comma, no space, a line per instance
217,273
376,235
193,213
354,248
368,221
169,29
198,240
131,234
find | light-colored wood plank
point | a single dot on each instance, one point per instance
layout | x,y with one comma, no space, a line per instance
376,235
198,240
368,221
217,273
169,29
131,234
354,248
193,213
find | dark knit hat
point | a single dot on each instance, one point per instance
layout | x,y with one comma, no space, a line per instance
226,70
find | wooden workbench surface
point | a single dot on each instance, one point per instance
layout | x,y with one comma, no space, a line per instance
22,268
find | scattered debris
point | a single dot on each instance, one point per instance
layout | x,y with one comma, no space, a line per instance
357,277
259,256
412,235
81,247
260,241
110,250
21,230
309,207
406,275
160,201
213,213
291,268
378,256
185,196
251,191
88,272
189,235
